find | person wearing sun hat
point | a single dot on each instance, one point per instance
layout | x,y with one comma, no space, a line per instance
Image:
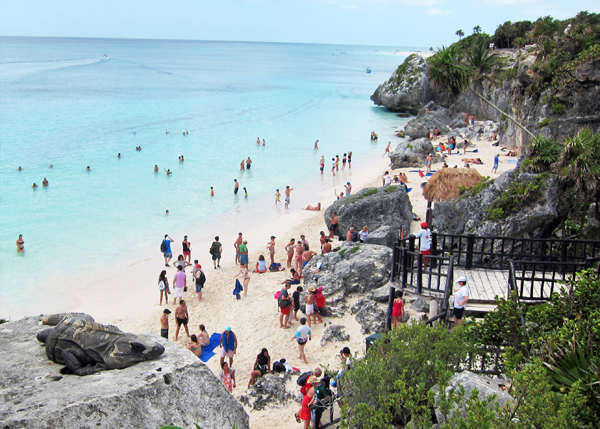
425,242
228,345
305,413
461,297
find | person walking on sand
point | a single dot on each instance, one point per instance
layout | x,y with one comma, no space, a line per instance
496,161
179,281
398,309
285,306
428,162
182,317
236,244
228,345
236,186
227,376
387,150
187,246
215,251
271,249
248,163
163,286
322,163
302,336
289,248
296,301
200,279
243,248
287,196
245,275
277,196
166,245
20,244
164,323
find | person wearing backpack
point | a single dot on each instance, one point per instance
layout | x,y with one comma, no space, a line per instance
165,248
200,279
215,251
285,307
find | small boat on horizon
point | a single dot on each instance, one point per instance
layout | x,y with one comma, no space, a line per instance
368,69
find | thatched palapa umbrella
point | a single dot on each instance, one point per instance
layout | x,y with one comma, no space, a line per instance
444,184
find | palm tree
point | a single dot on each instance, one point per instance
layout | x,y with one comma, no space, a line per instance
446,70
580,163
481,60
460,34
477,29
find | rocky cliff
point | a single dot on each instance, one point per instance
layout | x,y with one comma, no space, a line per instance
175,389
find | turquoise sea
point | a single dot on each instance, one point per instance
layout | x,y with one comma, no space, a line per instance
63,103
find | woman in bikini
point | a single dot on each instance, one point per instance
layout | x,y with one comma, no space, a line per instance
290,251
194,346
299,248
245,275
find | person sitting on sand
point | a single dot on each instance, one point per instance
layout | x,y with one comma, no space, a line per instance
194,346
317,208
203,338
262,366
295,278
261,265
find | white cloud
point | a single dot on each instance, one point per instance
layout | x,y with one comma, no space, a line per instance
438,11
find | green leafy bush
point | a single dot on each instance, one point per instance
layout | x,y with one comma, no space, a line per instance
558,108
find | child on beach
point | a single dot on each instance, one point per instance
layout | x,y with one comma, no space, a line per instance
398,309
302,336
271,249
277,196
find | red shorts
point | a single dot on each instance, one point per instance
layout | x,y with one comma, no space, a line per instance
426,252
286,309
187,253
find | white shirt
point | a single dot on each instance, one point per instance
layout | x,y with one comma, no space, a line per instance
363,235
303,332
459,295
425,236
387,179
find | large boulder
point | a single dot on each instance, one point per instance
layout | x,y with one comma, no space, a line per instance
412,154
370,316
270,390
373,207
334,333
405,90
470,215
355,268
431,116
175,389
485,386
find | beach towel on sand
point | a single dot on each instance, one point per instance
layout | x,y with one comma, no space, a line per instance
207,351
238,288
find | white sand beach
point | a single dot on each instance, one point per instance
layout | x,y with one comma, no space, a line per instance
129,298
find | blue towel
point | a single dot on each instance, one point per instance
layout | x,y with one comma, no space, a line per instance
429,174
207,351
413,171
409,189
238,288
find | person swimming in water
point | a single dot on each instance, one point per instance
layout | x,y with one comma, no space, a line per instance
155,168
88,168
44,182
168,172
34,185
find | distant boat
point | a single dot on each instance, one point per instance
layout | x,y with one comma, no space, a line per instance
368,69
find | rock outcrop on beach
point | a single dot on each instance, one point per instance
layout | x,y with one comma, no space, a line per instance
471,214
175,389
272,390
412,154
405,90
373,207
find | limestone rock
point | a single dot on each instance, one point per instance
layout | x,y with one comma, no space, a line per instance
437,116
369,315
269,390
334,333
420,306
381,294
373,207
385,236
355,268
175,389
417,318
412,154
486,387
405,89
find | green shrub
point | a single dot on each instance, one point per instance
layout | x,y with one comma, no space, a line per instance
342,252
558,108
510,74
369,192
354,249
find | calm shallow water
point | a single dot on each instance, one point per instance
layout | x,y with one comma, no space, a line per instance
62,103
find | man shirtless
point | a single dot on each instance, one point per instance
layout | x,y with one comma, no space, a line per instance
287,196
164,323
182,317
203,338
271,249
334,225
307,255
242,165
289,248
326,248
248,163
236,244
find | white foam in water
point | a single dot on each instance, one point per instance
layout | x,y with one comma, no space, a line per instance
60,107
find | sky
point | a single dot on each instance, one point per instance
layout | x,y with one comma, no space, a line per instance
414,23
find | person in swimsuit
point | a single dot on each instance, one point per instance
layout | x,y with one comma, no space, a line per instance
182,317
227,376
344,159
242,165
317,145
299,248
186,249
302,336
245,275
387,149
307,255
236,186
236,244
322,164
257,140
203,338
310,305
314,209
277,196
20,244
194,346
271,249
333,230
248,163
289,248
333,166
337,163
287,196
349,159
155,168
398,309
164,323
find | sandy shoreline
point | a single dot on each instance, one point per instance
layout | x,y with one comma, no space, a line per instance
128,296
